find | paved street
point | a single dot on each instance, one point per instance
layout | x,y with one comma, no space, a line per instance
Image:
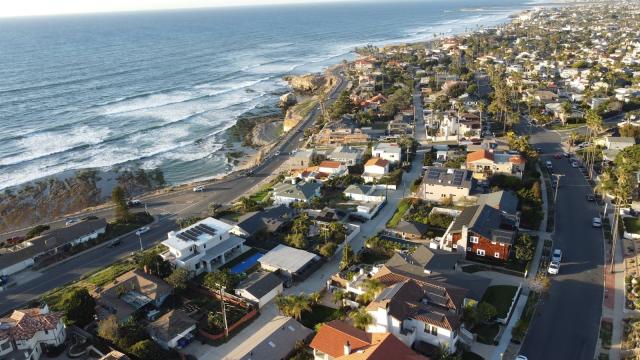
567,323
167,208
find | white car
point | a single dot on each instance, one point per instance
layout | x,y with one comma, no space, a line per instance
198,188
142,230
70,222
554,268
557,255
521,357
596,222
549,165
574,164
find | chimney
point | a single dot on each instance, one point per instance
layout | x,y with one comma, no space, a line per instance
347,348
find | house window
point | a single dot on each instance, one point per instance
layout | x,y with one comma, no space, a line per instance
473,239
5,346
501,244
497,255
480,252
493,243
434,331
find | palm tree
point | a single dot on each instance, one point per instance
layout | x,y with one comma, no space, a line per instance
573,137
299,304
444,353
315,297
361,318
372,287
339,296
621,191
595,125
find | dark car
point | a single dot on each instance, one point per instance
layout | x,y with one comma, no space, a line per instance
114,243
539,150
591,197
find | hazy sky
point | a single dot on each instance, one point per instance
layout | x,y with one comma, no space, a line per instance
10,8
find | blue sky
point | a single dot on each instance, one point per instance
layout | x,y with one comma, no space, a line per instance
11,8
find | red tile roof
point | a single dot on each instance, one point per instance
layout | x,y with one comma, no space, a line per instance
384,347
332,337
479,155
330,164
377,162
24,324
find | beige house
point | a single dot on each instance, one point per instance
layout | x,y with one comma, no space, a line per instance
440,184
486,163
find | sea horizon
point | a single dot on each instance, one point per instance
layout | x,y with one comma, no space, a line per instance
97,91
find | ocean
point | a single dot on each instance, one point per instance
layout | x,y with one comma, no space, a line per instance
159,89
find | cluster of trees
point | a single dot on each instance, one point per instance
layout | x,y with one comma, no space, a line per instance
221,277
343,105
295,305
299,230
524,247
397,101
130,337
479,313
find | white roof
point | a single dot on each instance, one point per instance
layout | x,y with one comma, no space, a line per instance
388,147
287,258
193,235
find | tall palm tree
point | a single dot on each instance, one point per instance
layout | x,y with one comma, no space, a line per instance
621,191
573,137
299,304
339,296
372,287
315,297
361,318
595,126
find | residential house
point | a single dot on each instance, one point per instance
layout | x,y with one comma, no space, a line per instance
391,152
26,333
21,256
173,330
203,246
260,287
413,313
333,168
290,262
339,340
410,230
440,184
618,143
486,163
369,198
374,169
289,193
342,132
130,293
301,158
268,220
347,155
482,231
277,341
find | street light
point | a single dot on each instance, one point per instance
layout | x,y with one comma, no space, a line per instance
555,196
140,238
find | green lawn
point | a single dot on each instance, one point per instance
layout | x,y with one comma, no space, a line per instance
566,127
500,296
403,206
486,333
319,314
632,225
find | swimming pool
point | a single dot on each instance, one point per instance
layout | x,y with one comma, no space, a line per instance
246,264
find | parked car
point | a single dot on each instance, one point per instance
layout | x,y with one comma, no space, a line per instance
539,150
574,164
198,189
142,230
557,255
567,155
557,156
591,197
554,268
549,165
596,222
70,222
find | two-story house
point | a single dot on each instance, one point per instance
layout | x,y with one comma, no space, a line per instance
486,163
440,184
25,334
348,155
375,168
203,246
333,168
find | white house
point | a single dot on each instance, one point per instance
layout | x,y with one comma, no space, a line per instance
203,246
25,333
290,262
371,193
333,168
347,155
618,143
289,192
260,287
375,169
413,313
388,151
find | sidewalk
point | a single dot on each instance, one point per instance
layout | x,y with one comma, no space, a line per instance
613,299
505,340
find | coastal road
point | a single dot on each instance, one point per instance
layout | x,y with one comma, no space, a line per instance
567,320
167,208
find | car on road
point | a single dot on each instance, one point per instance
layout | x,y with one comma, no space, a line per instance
596,222
134,203
574,164
567,155
591,197
539,150
554,267
70,222
549,165
142,230
557,255
277,153
198,189
114,243
557,156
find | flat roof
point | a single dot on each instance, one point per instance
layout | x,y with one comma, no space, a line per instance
200,232
287,258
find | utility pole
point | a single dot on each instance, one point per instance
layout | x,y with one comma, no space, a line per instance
555,196
140,238
224,311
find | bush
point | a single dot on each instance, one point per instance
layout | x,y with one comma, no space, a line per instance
146,350
78,306
37,230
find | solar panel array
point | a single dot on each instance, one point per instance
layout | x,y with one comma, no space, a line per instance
193,233
458,176
433,174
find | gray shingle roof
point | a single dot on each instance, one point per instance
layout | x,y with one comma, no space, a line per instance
260,283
